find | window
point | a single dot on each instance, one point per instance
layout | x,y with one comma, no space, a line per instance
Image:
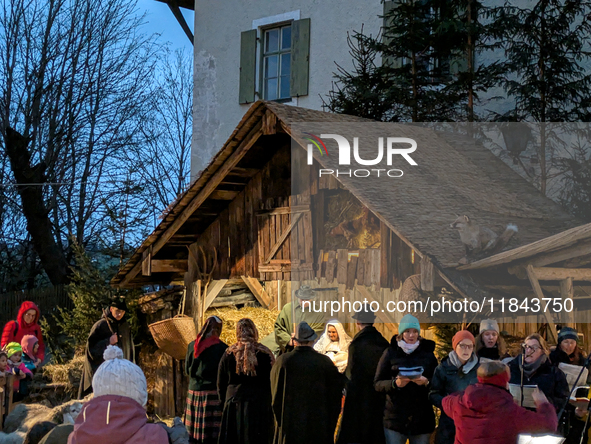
274,59
276,63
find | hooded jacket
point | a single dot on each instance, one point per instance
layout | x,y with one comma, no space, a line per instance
15,330
115,420
408,409
485,413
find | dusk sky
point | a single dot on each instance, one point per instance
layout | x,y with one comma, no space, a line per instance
160,19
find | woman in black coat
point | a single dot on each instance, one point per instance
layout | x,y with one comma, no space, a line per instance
244,388
538,370
408,414
567,351
454,374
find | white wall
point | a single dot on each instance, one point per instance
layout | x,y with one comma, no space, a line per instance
217,58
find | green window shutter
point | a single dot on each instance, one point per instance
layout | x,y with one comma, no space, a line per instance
248,50
389,5
300,57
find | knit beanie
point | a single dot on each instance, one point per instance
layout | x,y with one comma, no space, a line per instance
12,348
460,336
567,333
488,325
408,321
118,376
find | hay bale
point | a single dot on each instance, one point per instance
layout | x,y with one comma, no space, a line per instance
263,319
67,374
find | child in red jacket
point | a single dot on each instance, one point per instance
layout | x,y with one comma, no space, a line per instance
486,412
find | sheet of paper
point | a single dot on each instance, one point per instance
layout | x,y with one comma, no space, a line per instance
525,438
572,372
528,400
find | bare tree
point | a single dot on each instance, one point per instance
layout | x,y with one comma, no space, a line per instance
76,80
166,155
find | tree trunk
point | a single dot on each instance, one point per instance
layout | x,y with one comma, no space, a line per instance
39,226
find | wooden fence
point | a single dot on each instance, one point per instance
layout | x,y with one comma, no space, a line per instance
47,299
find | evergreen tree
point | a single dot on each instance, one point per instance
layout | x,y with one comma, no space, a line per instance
547,53
91,293
415,61
471,29
364,91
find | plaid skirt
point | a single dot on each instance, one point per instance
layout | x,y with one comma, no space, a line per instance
203,416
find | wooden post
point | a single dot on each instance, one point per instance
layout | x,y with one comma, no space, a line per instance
567,292
540,294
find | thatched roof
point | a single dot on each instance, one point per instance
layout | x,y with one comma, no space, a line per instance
454,175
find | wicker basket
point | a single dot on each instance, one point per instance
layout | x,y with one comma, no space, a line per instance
174,335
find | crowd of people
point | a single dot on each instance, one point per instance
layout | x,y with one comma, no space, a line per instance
385,393
318,385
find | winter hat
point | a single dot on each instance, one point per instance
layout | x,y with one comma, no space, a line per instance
305,333
494,373
118,376
567,333
488,325
118,302
28,344
408,321
460,336
12,348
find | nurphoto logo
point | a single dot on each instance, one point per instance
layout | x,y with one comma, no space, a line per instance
392,148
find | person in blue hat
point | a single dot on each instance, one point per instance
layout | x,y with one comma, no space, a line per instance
403,374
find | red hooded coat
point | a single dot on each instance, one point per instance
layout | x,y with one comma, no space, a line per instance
486,413
115,420
15,330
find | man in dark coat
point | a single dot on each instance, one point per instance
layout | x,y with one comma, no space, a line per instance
111,329
364,407
307,391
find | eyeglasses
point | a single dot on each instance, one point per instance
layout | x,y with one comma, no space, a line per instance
466,346
530,348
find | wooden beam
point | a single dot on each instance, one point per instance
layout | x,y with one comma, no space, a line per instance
214,290
223,195
207,189
379,314
567,292
558,274
147,262
577,250
560,240
174,7
257,290
426,274
540,294
169,265
269,123
284,210
275,248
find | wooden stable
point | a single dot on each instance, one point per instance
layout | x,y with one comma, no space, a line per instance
258,217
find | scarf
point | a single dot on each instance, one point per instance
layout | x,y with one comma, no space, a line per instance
465,368
490,353
246,347
202,344
408,348
530,368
